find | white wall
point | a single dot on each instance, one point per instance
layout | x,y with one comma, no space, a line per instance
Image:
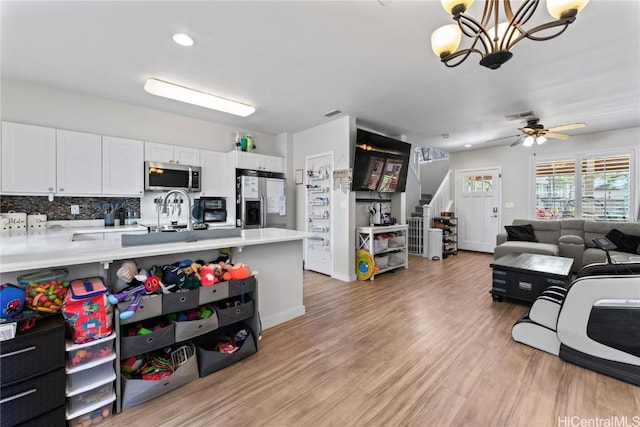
432,174
516,164
45,106
336,136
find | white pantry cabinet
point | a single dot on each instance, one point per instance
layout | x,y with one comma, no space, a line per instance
254,161
122,167
78,163
166,153
28,159
214,181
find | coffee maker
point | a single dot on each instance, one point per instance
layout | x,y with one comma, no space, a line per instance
375,213
210,210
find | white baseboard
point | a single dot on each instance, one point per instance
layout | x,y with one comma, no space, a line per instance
284,316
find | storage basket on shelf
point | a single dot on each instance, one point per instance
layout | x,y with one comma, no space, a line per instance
189,324
137,390
235,309
146,336
224,347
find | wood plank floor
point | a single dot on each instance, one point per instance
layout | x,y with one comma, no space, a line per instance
419,347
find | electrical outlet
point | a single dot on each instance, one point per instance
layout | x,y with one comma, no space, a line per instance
75,209
509,205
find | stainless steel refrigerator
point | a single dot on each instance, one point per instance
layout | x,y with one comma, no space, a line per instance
260,199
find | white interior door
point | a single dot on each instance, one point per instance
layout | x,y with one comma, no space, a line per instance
478,201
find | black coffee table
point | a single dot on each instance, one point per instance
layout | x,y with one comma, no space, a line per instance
525,276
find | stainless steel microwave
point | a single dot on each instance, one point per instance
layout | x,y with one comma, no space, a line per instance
168,176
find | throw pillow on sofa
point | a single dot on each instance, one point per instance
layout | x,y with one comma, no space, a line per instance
625,242
520,233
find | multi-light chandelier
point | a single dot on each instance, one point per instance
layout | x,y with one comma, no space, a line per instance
493,44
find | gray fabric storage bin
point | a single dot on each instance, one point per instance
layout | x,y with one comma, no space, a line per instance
149,306
130,346
192,328
210,361
239,311
243,286
179,301
136,391
207,294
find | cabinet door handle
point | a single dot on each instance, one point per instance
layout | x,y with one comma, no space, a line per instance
61,189
18,396
24,350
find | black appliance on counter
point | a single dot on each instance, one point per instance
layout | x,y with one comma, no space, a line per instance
209,209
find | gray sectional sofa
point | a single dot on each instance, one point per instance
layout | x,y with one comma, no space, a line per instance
570,238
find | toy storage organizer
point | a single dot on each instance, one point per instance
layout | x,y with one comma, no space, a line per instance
90,378
233,306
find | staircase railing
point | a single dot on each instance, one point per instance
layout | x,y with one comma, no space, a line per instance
441,202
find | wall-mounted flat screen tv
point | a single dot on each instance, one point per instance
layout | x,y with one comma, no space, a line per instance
380,163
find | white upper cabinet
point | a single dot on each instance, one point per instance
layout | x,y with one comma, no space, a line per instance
122,167
214,181
165,153
28,159
261,162
79,163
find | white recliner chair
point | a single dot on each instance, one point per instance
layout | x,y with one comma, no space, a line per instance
594,324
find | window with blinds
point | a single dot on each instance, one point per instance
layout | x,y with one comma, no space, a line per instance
605,186
555,189
596,187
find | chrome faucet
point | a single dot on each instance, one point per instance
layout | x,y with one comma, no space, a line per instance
163,207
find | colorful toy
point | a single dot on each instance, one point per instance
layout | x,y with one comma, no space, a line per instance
150,285
173,275
12,301
86,311
237,272
46,297
207,276
126,276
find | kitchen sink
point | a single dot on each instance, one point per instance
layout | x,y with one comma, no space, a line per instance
181,234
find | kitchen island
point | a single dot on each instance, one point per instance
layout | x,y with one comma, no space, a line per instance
274,255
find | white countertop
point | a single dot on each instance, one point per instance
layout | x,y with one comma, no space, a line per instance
55,248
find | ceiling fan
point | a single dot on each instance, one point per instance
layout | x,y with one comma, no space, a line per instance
535,132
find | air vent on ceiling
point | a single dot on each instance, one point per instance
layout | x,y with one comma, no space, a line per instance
332,113
520,116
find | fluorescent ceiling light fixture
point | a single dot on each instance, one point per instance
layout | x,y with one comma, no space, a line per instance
468,145
183,39
195,97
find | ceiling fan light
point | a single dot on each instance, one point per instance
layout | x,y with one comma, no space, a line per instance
446,39
195,97
565,8
541,140
528,141
455,7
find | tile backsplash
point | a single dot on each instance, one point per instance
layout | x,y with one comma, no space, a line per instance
60,208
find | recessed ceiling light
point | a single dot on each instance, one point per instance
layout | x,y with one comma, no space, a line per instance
183,39
195,97
468,145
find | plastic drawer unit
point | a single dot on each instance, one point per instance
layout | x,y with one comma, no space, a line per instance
32,375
